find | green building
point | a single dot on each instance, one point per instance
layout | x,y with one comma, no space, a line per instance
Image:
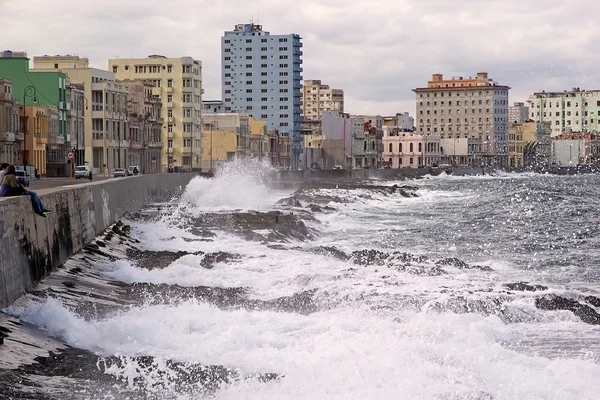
50,87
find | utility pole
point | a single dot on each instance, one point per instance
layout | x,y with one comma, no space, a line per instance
29,91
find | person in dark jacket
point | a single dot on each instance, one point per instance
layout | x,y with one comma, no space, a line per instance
10,187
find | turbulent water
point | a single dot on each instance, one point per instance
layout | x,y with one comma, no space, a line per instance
482,287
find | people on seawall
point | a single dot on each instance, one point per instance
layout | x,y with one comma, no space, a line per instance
9,186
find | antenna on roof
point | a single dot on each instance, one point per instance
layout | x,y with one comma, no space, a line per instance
252,19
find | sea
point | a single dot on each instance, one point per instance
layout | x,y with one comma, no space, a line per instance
240,287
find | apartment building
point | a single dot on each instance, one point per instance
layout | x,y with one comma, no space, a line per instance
145,126
75,124
178,84
317,98
227,136
407,149
401,120
10,134
474,108
518,113
529,143
262,76
213,106
576,110
103,106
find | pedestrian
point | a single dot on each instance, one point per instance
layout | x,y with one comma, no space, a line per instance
3,171
10,187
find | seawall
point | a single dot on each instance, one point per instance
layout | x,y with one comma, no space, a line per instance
400,173
32,246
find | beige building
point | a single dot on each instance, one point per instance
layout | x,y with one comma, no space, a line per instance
145,127
10,136
105,144
258,139
518,113
474,108
529,143
575,110
403,149
317,98
216,133
178,84
41,125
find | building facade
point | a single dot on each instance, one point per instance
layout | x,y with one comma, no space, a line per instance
262,75
518,113
473,108
259,145
406,149
178,84
76,121
575,110
104,112
401,120
212,106
227,136
317,98
146,149
10,131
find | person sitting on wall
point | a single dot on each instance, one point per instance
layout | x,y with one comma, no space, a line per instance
3,171
10,187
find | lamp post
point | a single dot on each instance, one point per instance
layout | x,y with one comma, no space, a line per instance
29,91
194,129
214,125
80,103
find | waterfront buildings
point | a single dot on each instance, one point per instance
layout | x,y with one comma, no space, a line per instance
259,143
401,121
212,106
317,98
403,148
528,143
10,133
40,89
103,106
262,76
474,108
227,136
178,84
576,110
518,113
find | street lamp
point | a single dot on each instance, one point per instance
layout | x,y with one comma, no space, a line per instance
80,103
194,129
29,91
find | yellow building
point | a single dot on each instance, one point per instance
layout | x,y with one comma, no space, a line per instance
104,107
258,138
519,136
218,145
40,125
178,83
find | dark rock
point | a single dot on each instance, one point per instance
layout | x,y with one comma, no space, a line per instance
525,287
210,259
332,252
453,262
552,303
369,257
593,300
155,259
290,201
314,208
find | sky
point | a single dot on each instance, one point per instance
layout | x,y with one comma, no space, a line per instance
376,51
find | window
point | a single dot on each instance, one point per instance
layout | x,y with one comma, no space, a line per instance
248,48
227,58
264,116
283,82
283,57
227,66
228,75
283,49
249,99
248,57
169,98
227,50
263,57
263,82
264,99
248,82
227,41
263,74
170,128
263,40
169,82
170,113
248,40
283,65
263,49
187,143
227,83
248,65
263,90
263,65
283,74
248,73
264,107
248,90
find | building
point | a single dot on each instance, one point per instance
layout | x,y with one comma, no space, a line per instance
529,144
407,149
39,88
105,142
262,76
227,136
259,142
401,121
178,84
212,106
474,108
518,113
576,110
75,127
10,133
317,98
146,148
41,128
375,129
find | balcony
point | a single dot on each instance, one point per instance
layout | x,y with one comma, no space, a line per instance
156,145
156,91
135,146
7,136
169,89
170,104
41,139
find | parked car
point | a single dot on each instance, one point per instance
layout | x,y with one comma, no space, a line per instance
83,171
22,177
133,170
119,173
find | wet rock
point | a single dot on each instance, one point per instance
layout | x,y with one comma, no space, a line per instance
453,262
210,259
155,259
525,287
593,300
553,303
314,208
331,251
290,202
369,257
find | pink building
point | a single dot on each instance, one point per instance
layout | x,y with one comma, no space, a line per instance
406,149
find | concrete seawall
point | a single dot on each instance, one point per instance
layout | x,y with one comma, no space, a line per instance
32,246
401,173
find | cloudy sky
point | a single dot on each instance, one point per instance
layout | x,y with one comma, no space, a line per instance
377,51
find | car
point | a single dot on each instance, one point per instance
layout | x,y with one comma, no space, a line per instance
131,170
119,172
83,171
22,177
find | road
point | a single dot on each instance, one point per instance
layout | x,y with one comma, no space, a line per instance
48,183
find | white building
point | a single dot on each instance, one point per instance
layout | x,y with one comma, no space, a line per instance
262,76
318,98
518,113
576,110
403,149
473,108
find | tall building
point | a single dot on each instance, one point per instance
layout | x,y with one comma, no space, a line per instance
575,110
262,75
518,113
178,83
38,88
104,107
474,108
317,98
10,136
